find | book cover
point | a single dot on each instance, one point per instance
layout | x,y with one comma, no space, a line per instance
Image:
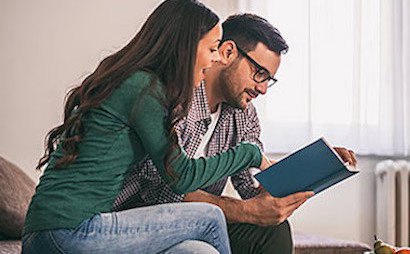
314,167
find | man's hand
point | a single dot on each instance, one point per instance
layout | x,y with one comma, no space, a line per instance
265,210
346,155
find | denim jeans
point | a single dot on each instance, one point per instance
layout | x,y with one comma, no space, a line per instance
168,228
191,247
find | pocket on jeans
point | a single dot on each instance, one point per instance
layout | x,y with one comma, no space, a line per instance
28,238
85,228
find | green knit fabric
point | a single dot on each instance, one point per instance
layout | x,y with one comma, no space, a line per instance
129,125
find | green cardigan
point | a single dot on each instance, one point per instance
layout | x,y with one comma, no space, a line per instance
128,126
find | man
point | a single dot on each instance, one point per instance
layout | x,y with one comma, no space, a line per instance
221,116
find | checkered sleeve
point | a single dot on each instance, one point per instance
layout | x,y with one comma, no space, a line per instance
253,130
244,182
154,189
144,186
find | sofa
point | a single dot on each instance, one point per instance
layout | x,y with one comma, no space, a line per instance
17,189
15,193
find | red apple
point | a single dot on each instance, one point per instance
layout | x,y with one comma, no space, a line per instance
402,251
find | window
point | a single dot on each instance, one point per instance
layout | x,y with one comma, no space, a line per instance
346,75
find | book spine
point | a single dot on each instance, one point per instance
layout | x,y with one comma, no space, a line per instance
323,184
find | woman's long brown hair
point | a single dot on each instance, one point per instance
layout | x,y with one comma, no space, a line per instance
166,45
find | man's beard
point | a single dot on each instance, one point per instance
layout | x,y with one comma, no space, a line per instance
228,83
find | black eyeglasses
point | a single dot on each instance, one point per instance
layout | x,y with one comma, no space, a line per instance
261,74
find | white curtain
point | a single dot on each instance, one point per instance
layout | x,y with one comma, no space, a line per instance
345,77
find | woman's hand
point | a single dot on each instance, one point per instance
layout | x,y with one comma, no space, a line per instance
266,163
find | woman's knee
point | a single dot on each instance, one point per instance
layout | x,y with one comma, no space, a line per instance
192,247
213,212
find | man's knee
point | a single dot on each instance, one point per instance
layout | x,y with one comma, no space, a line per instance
246,238
278,239
283,230
284,235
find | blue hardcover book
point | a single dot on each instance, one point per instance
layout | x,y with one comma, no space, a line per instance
314,167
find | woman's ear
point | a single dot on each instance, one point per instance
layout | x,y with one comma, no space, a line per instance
227,52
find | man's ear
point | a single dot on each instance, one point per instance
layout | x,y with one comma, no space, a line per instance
227,52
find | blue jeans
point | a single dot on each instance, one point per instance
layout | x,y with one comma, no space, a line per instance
191,247
168,228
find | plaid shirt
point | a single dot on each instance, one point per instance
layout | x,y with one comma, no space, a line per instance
144,185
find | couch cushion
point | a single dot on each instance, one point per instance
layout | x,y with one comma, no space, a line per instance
15,195
10,247
310,243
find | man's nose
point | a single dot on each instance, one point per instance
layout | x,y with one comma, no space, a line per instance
262,88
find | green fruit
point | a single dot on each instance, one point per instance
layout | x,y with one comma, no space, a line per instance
384,249
377,244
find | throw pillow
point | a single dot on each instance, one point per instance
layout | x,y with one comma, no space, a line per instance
15,195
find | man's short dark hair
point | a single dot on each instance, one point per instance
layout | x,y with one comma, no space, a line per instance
247,30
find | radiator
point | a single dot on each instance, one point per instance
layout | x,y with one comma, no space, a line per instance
392,202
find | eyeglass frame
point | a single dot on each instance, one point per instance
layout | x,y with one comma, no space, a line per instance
258,69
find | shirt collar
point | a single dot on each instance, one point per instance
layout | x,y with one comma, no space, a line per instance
200,110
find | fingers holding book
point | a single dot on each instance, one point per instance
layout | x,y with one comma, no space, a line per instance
346,155
266,163
270,211
298,197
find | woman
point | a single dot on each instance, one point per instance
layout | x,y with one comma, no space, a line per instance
125,110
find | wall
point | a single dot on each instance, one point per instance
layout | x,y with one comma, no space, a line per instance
48,46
